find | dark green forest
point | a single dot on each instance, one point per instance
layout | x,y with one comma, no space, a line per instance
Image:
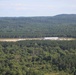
38,58
20,27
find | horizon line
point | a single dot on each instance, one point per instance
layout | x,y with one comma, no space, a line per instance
39,16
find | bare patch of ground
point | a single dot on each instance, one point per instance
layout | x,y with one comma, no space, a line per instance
45,38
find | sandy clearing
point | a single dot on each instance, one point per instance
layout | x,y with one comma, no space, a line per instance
45,38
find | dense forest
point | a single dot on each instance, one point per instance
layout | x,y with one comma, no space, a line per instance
20,27
38,58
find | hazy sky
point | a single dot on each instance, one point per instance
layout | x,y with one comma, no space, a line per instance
36,7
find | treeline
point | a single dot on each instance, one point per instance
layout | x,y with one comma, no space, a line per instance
38,58
60,25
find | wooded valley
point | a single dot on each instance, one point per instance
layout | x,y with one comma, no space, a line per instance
38,57
21,27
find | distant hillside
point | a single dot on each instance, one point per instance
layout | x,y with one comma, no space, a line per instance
62,25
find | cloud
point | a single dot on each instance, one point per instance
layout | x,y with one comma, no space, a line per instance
22,6
36,7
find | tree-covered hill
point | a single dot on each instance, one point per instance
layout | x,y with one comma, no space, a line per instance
60,25
38,58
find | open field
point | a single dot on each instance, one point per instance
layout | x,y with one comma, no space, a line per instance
45,38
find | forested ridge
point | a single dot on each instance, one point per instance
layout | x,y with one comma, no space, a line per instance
38,58
63,25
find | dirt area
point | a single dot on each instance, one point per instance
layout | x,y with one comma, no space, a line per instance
17,39
45,38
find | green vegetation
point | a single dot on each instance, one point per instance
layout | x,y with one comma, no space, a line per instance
20,27
38,58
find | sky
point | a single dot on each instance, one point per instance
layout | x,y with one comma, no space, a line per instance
24,8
